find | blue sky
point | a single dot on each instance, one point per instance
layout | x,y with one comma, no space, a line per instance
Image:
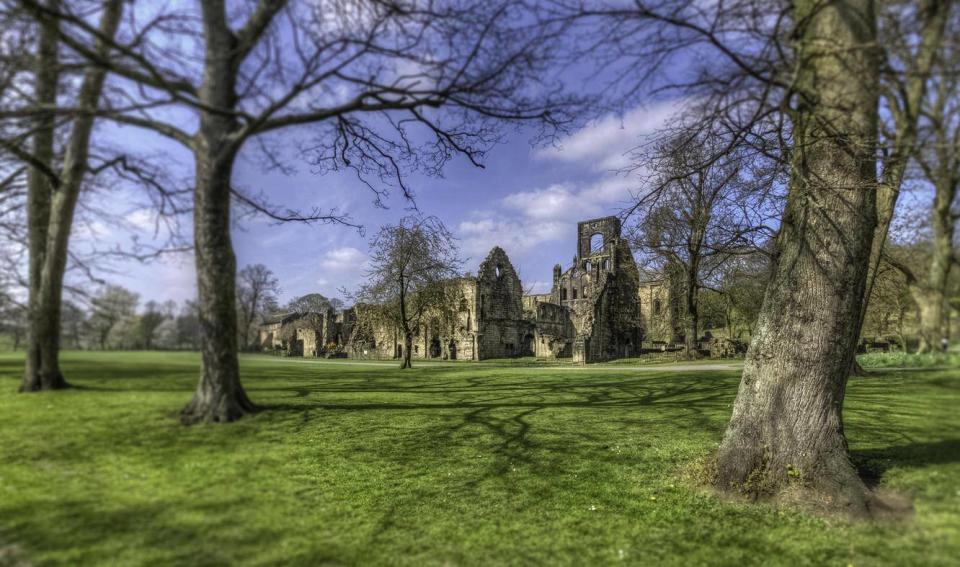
526,200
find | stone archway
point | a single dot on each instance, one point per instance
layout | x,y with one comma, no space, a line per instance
527,345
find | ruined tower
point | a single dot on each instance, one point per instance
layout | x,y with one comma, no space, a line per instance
601,290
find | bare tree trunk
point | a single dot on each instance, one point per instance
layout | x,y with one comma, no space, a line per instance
219,397
787,423
930,292
935,14
39,190
692,308
407,349
62,207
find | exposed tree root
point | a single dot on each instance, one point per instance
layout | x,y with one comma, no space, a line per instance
216,409
832,488
43,382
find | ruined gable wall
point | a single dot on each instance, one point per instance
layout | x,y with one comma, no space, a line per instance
502,331
617,329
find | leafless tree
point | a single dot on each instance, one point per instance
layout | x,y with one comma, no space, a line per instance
797,84
53,189
411,265
257,290
912,33
388,87
938,158
54,147
702,213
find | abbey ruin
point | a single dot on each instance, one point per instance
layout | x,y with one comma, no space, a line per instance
597,309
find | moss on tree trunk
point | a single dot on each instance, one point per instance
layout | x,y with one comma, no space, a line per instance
787,423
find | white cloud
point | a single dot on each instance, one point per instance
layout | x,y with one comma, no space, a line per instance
570,202
552,203
341,267
92,230
516,236
346,258
141,219
605,144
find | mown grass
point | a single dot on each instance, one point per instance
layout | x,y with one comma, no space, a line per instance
447,464
908,360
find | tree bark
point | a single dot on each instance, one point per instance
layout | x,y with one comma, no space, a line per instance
935,14
62,206
693,309
787,426
39,191
407,349
930,292
219,396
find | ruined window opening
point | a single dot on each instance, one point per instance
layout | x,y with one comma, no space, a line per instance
574,293
563,294
596,242
587,266
606,264
656,307
499,272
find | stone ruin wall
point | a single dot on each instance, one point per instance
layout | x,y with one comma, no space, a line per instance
502,330
552,326
596,310
600,289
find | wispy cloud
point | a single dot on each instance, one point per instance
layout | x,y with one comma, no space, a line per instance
606,144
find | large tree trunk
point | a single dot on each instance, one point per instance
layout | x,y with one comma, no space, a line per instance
930,292
61,210
219,396
935,14
787,425
39,190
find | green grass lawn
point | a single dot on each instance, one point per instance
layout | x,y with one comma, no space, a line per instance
446,464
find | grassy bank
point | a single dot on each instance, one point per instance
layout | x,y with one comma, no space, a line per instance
453,464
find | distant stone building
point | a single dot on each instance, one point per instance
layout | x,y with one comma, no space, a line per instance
299,334
600,290
598,309
660,311
488,323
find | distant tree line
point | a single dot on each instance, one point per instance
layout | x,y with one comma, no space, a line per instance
113,318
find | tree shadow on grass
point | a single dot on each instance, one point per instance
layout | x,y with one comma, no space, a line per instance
874,463
152,530
498,415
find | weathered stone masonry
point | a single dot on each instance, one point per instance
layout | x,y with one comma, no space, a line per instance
594,311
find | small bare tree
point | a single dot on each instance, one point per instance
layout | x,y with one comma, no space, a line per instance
701,213
411,268
938,157
257,290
